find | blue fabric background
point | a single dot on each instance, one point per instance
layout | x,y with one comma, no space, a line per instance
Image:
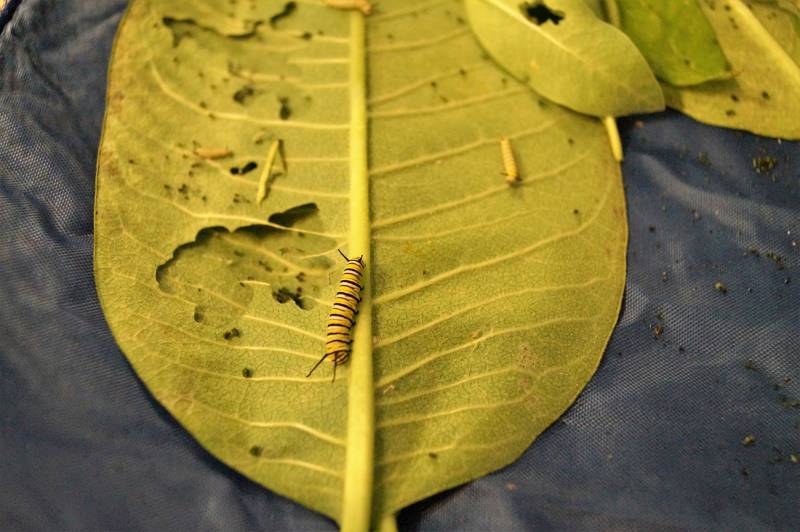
654,442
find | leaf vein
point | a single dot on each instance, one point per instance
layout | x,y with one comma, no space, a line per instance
409,11
387,379
526,181
403,292
272,424
451,152
482,304
246,220
419,43
383,98
236,116
458,104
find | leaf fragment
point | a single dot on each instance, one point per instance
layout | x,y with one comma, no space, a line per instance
275,150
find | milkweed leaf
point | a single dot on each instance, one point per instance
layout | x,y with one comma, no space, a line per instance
489,304
764,94
676,39
572,57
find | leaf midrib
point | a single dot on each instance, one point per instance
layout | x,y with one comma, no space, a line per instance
359,454
782,58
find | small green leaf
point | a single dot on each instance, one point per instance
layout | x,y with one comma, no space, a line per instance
764,94
570,56
486,307
676,39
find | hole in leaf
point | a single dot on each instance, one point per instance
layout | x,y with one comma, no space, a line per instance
241,95
181,28
291,216
221,271
287,10
538,13
285,111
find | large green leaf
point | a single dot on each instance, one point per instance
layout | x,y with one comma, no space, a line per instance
571,57
486,309
764,94
676,39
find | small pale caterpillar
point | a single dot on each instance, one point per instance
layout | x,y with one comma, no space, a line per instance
212,153
509,163
362,5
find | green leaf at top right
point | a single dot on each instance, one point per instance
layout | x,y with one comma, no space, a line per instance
760,40
676,39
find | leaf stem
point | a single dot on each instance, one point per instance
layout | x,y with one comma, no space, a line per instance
613,137
388,523
612,13
359,455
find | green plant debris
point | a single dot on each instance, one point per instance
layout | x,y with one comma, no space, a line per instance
657,330
264,181
777,259
764,164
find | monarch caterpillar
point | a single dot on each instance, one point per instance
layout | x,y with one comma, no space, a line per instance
343,314
509,164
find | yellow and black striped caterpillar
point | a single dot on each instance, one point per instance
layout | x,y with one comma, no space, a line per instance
343,314
509,163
